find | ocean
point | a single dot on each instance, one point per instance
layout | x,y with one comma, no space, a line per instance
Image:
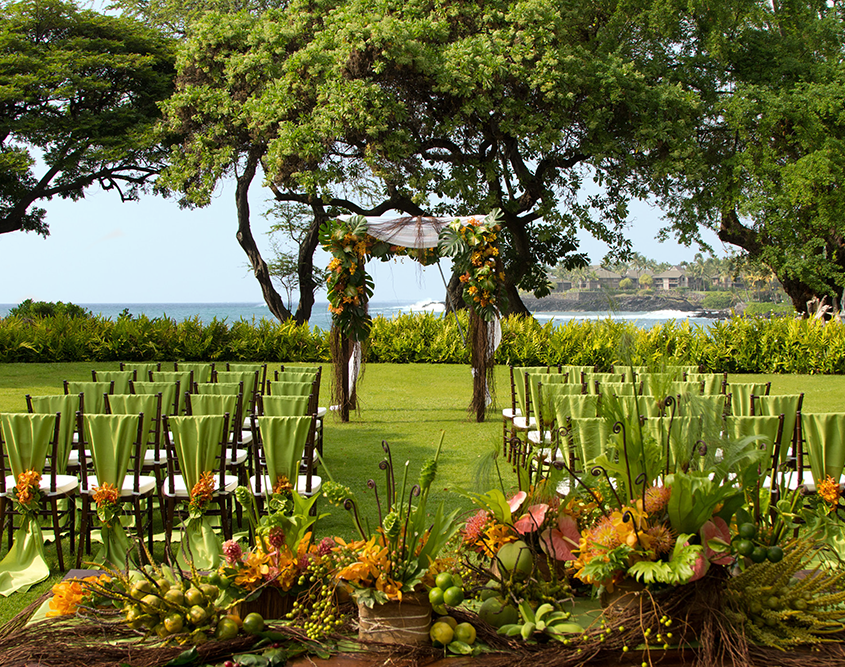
321,318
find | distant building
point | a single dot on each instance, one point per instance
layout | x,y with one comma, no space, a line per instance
671,279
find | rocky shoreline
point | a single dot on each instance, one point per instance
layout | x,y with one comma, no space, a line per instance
599,301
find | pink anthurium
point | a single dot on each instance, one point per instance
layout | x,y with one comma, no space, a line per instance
717,529
531,520
516,500
561,539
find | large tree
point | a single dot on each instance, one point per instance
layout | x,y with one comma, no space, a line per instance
767,168
78,106
440,107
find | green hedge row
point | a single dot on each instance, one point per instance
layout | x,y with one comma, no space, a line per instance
740,345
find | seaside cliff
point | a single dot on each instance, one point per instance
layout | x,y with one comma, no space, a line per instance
599,301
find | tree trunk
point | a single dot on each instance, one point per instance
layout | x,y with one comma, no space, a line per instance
307,285
259,267
455,294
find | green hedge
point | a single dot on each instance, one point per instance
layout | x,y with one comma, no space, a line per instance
739,345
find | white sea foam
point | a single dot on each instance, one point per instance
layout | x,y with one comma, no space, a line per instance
428,306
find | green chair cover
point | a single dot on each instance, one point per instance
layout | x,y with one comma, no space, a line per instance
112,439
251,384
542,404
27,438
824,433
581,405
67,406
788,405
576,371
184,378
766,429
624,408
283,439
519,373
589,438
702,405
291,376
261,369
678,388
171,400
202,371
148,405
94,401
682,434
142,370
285,406
120,378
214,404
657,384
220,388
289,388
713,382
199,446
741,393
604,377
620,388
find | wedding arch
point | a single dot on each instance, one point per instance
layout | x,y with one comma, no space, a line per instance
471,242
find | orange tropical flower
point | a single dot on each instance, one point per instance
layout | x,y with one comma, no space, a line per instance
282,484
70,593
29,482
203,491
105,494
829,491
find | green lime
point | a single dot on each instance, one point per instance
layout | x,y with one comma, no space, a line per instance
447,619
226,629
253,623
435,596
441,634
464,632
774,554
759,554
744,547
747,531
453,596
444,580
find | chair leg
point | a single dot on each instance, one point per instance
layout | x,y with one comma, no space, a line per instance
57,532
83,531
168,522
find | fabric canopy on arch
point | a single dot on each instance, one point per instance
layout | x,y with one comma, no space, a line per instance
410,231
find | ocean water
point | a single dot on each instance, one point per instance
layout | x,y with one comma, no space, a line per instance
320,317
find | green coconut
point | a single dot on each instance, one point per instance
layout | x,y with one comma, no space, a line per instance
515,559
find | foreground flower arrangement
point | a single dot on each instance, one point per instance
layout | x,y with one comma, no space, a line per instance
665,546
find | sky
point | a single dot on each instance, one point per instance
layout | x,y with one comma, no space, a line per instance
103,251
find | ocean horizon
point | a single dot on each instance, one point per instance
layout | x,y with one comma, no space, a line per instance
321,318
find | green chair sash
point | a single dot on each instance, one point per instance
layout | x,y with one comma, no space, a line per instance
590,437
741,393
94,401
220,388
283,439
112,439
285,406
765,429
290,388
619,388
788,405
67,406
120,378
519,373
824,433
712,381
197,443
142,370
171,400
148,405
680,432
292,376
202,372
27,438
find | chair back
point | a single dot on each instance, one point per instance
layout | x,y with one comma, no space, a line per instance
289,388
589,438
766,430
741,393
605,377
520,382
219,404
283,440
202,371
621,388
824,434
171,400
184,378
115,440
261,369
680,434
576,406
616,408
27,441
576,373
251,382
120,378
788,405
148,405
199,445
679,388
284,406
219,388
294,376
67,406
93,401
142,370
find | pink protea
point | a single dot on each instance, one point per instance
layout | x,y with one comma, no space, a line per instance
656,499
232,551
276,537
327,544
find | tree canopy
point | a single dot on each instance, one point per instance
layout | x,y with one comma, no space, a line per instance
78,106
444,108
766,168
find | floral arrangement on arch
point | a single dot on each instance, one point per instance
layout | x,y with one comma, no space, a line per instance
474,249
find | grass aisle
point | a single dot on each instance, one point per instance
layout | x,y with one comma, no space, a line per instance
408,405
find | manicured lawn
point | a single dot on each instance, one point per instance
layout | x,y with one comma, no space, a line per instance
409,406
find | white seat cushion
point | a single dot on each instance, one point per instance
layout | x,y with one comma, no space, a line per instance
145,485
534,437
73,457
321,412
240,457
316,484
150,457
64,484
246,437
523,425
510,413
181,491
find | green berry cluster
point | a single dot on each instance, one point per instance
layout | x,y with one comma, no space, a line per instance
315,610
